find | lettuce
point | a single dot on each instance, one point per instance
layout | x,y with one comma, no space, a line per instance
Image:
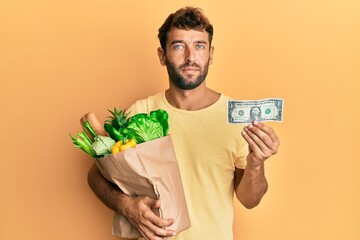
144,128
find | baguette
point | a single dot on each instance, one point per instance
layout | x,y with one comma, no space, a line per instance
95,124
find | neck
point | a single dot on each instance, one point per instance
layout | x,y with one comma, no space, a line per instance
191,100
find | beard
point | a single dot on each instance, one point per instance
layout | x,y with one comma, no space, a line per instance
180,81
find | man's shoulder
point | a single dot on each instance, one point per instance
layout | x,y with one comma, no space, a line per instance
150,100
145,105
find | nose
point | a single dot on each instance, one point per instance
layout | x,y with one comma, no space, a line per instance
189,55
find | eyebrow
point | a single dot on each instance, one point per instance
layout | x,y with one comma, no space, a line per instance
181,41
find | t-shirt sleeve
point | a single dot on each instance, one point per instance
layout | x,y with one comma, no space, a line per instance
146,105
139,106
240,161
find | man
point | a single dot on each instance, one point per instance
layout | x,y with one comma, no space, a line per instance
215,159
255,113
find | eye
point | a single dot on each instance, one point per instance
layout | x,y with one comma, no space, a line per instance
178,47
200,46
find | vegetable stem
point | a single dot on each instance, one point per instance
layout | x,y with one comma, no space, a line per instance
90,129
84,143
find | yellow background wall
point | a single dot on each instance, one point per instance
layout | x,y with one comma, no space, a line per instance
61,59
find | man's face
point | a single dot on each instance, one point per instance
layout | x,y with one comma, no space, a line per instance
255,113
187,58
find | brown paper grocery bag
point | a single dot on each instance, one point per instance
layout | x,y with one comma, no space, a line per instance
149,169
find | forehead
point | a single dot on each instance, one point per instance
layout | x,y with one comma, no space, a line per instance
187,36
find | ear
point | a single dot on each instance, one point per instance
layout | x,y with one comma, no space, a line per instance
161,55
211,54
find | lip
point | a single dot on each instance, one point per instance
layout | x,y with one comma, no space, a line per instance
190,69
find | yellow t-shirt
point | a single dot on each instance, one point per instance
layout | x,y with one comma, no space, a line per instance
207,149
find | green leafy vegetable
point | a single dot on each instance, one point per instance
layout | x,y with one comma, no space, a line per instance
84,143
141,127
162,116
144,128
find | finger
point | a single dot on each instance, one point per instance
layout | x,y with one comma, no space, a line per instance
154,204
260,138
268,130
264,133
155,224
159,222
155,234
150,230
255,143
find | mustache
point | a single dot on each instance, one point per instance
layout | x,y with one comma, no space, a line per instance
193,65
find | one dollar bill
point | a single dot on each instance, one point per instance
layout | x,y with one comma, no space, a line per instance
263,110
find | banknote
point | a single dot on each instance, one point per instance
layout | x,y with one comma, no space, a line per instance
264,110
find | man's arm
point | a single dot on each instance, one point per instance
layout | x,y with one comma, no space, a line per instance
136,209
250,186
250,183
106,191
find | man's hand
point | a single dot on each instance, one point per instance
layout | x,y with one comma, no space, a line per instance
139,213
250,183
138,210
263,143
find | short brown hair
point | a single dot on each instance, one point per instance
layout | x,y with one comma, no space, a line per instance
188,18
